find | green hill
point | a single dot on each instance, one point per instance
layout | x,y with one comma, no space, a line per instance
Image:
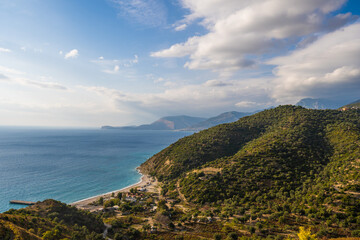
284,166
50,220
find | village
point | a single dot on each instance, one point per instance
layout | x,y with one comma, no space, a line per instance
144,209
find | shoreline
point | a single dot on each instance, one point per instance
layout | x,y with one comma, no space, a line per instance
145,181
103,194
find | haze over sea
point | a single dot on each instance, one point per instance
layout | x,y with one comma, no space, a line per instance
72,164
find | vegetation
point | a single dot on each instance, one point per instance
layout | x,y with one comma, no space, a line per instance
50,220
271,172
284,173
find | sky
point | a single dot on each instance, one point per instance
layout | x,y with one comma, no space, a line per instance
127,62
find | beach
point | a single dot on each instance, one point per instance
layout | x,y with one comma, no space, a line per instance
146,182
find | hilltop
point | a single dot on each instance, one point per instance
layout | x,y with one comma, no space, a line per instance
226,117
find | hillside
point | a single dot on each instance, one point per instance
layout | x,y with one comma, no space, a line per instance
284,166
50,220
226,117
354,105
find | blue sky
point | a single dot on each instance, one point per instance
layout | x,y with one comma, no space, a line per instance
119,62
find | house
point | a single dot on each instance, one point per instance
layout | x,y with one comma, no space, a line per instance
153,229
153,209
130,199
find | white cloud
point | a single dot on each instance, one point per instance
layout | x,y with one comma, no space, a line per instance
216,83
10,70
194,99
328,67
158,80
113,66
241,32
42,84
5,50
15,76
181,27
72,54
170,84
135,60
147,12
60,52
34,83
246,104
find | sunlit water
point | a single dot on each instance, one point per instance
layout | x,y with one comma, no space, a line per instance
72,164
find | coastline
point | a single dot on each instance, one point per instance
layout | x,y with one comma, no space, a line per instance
145,181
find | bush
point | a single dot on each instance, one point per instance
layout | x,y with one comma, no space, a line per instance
355,233
217,236
232,236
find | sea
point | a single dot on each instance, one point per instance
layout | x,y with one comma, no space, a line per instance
72,164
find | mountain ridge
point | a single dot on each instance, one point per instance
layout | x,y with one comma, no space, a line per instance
226,117
186,123
164,123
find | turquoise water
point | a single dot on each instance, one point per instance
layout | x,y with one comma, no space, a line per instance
72,164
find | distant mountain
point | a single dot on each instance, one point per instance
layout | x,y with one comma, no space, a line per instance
226,117
353,105
320,103
165,123
187,123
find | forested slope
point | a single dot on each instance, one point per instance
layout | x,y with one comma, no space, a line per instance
50,220
281,166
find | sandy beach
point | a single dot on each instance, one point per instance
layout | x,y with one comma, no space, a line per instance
147,182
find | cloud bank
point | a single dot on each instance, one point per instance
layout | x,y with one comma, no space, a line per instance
240,33
5,50
329,67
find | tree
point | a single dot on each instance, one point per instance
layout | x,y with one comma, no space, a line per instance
119,195
146,227
217,236
232,236
305,234
171,225
54,234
